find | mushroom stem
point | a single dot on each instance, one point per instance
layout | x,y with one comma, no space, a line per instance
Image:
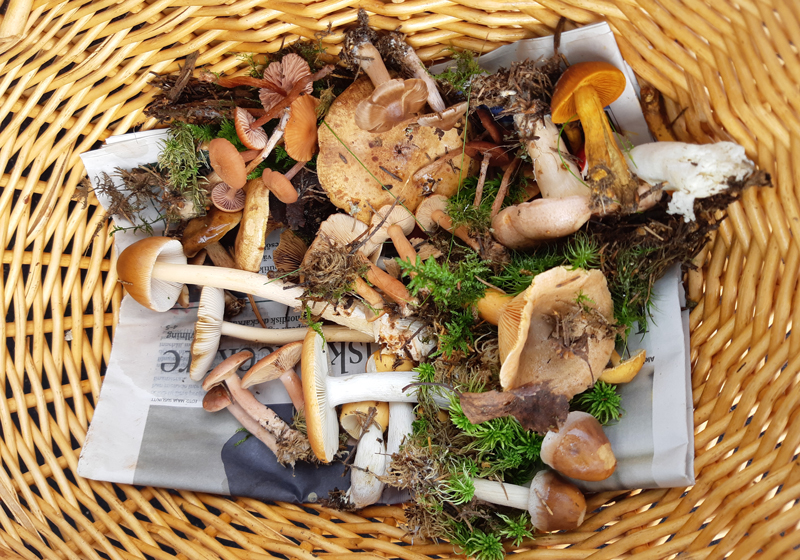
482,179
504,183
249,282
285,336
402,244
294,388
276,136
370,463
389,285
444,221
370,295
255,429
295,169
370,61
401,419
384,386
492,304
413,64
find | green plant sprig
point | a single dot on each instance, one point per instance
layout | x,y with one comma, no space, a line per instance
601,401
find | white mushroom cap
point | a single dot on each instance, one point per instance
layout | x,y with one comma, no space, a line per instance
321,422
135,270
207,331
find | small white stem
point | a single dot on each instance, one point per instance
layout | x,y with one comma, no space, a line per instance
382,386
509,495
401,418
276,136
412,61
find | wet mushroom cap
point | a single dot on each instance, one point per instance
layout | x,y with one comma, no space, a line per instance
280,186
555,504
206,230
580,449
225,198
391,103
218,398
529,351
227,162
252,138
606,79
274,365
135,270
300,136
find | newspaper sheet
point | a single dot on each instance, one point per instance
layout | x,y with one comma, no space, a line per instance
149,427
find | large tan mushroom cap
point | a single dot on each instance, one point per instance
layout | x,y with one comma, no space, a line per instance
392,157
135,270
528,351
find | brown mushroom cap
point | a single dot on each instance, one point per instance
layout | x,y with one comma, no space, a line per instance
280,186
206,230
348,171
580,449
300,135
227,199
606,79
253,138
391,103
217,399
528,351
273,366
499,156
251,238
227,162
284,74
135,270
226,369
555,504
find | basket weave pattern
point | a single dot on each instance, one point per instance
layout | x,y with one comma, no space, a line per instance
80,73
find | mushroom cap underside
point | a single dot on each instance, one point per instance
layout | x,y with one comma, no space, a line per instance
606,79
321,422
207,331
135,270
273,366
348,166
529,351
226,369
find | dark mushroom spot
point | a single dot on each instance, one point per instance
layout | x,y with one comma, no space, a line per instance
341,157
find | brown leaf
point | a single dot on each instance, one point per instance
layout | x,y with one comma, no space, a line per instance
534,405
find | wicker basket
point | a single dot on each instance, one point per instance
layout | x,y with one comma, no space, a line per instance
74,72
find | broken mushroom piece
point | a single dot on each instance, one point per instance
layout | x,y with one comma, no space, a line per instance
354,415
584,89
293,445
625,371
288,255
279,365
580,449
554,503
445,120
558,333
689,171
323,393
211,327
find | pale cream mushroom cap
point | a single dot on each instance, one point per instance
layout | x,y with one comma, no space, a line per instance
349,178
207,331
135,271
426,209
528,353
529,224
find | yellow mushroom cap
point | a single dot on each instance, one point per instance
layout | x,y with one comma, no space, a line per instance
606,79
353,415
528,351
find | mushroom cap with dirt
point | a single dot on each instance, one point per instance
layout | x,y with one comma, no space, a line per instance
352,161
558,332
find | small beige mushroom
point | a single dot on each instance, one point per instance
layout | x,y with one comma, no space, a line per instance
432,214
531,351
251,239
526,225
279,365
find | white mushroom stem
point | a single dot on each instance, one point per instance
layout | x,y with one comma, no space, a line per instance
401,419
509,495
556,175
382,386
690,171
285,336
369,464
413,63
274,138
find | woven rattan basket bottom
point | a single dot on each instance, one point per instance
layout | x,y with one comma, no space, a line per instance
78,72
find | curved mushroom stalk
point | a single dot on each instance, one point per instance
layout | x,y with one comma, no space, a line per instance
556,174
690,171
273,141
531,223
554,504
370,464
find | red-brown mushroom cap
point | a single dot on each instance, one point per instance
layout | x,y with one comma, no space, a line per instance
606,79
226,369
253,138
280,186
273,366
499,156
228,199
227,162
300,135
555,504
391,103
284,74
580,449
135,271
